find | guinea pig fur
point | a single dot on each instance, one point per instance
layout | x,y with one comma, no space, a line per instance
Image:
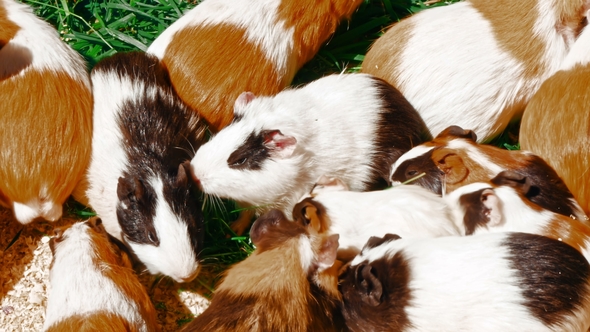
45,118
289,283
483,60
93,287
274,38
489,282
138,181
408,211
502,206
454,159
277,147
556,122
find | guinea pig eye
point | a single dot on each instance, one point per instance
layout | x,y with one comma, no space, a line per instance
411,173
240,161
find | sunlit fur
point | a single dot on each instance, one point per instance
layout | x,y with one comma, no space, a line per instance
93,284
273,39
46,115
483,59
556,123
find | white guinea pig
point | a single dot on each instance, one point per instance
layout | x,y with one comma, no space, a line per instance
352,126
45,115
489,282
273,39
93,287
138,181
481,60
408,211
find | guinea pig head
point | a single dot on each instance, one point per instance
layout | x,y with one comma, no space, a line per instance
247,161
161,221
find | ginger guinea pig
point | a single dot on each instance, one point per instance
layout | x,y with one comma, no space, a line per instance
454,159
556,122
476,63
289,283
488,282
408,211
277,147
45,117
138,181
272,39
502,206
93,287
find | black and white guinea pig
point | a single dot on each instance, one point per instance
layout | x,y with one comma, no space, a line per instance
45,115
501,205
409,211
277,147
483,60
138,181
454,159
93,286
488,282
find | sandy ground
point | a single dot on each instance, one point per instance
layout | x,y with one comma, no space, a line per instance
24,271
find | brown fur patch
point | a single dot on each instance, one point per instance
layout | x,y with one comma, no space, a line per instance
562,138
311,213
7,28
99,321
571,231
209,78
46,132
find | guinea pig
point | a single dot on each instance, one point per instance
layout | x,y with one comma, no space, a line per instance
273,39
409,211
556,122
277,147
483,60
488,282
45,117
138,180
289,283
502,206
93,287
454,159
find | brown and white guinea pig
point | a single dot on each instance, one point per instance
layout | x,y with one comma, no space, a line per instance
45,117
93,286
273,39
277,147
289,283
483,60
409,211
138,180
556,122
488,282
502,206
454,159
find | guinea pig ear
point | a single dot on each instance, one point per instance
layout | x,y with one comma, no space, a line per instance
279,145
519,182
451,164
458,132
494,212
182,175
243,99
129,190
368,285
96,224
376,241
327,253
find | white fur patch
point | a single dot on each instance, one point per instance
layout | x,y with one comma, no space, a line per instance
475,154
306,253
579,53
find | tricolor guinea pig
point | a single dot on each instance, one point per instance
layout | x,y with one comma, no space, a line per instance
45,115
488,282
277,147
556,122
273,39
289,283
502,206
138,180
454,159
480,60
409,211
93,287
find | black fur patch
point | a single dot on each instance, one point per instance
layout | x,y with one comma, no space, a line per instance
399,129
386,280
251,154
475,211
159,133
553,275
376,241
432,180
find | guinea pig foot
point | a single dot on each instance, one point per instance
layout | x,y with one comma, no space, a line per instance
243,222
